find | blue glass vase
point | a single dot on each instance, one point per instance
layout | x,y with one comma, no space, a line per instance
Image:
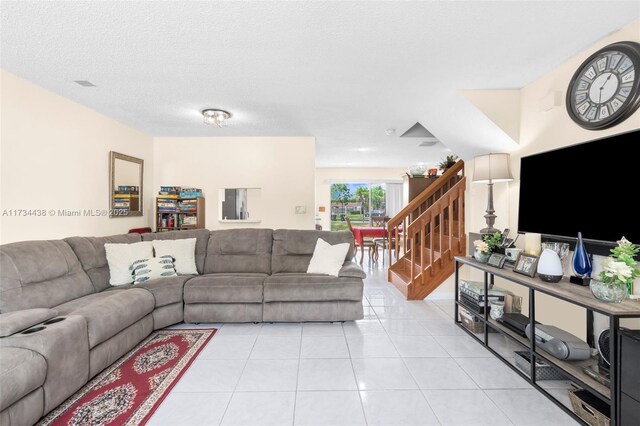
581,262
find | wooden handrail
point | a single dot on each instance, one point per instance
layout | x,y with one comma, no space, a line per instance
424,196
438,206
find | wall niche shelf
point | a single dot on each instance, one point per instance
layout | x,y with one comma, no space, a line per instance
572,370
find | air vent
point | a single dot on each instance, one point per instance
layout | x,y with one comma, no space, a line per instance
427,144
418,131
84,83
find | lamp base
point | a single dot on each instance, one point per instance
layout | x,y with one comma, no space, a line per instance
489,230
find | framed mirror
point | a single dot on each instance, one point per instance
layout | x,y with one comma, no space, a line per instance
125,180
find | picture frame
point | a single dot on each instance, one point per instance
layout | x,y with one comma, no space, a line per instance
526,264
497,260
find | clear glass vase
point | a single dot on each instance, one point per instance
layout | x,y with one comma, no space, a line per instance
481,256
610,293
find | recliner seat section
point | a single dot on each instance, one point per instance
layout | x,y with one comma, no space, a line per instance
22,374
245,275
236,265
290,294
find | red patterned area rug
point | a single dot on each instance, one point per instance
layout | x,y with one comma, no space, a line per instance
128,392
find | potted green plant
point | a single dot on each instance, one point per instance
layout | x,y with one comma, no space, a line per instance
619,270
486,245
493,241
449,161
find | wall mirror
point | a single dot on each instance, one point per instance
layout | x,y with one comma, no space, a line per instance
125,177
239,205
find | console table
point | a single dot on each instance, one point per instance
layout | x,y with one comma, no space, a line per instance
570,293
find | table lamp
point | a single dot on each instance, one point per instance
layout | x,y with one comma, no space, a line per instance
489,169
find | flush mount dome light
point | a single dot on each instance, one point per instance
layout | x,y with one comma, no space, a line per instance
215,116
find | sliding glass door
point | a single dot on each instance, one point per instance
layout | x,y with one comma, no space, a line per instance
363,203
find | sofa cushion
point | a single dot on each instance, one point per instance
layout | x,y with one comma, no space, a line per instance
93,257
327,258
290,287
183,253
201,236
292,249
225,288
165,291
109,312
153,269
120,257
21,372
239,250
40,274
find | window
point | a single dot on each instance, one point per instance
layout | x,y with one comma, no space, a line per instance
363,203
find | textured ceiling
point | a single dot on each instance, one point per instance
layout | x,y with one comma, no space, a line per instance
343,72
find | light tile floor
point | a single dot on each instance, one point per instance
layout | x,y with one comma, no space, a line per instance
406,363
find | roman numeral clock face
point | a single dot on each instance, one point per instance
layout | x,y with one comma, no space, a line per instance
605,89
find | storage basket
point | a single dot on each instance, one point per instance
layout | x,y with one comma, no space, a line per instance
543,370
589,408
470,322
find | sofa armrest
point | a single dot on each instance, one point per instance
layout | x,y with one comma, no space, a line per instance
351,270
14,322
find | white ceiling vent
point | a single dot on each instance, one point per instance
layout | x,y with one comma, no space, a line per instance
427,144
418,131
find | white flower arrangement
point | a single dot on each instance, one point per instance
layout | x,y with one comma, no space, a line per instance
620,267
481,246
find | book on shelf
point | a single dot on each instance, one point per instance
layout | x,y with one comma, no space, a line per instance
190,220
184,194
127,189
170,189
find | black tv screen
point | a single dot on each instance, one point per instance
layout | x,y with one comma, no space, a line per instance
590,188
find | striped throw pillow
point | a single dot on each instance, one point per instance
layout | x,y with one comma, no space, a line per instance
153,268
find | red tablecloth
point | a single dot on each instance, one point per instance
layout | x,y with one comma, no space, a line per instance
361,232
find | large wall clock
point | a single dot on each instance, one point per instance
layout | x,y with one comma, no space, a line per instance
605,90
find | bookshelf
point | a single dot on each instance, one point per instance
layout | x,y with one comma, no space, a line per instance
174,213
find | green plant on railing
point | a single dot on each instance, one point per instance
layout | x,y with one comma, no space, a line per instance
449,161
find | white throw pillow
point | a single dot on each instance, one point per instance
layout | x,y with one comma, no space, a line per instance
121,256
183,253
327,259
153,268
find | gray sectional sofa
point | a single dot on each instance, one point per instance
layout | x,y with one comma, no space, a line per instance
61,322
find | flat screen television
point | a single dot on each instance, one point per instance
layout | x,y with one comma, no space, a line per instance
592,187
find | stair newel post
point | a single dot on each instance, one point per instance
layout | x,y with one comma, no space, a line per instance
450,226
441,233
422,248
432,221
413,261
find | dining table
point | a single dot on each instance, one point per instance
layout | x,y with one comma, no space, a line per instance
368,232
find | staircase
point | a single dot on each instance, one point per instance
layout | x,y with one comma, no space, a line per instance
427,234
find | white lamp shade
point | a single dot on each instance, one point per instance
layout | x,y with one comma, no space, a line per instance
492,168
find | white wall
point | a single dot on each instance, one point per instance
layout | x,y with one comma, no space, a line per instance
325,177
54,155
283,167
543,129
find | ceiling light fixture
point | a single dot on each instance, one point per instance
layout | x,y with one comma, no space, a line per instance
215,116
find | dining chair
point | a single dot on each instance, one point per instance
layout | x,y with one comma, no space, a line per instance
359,241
